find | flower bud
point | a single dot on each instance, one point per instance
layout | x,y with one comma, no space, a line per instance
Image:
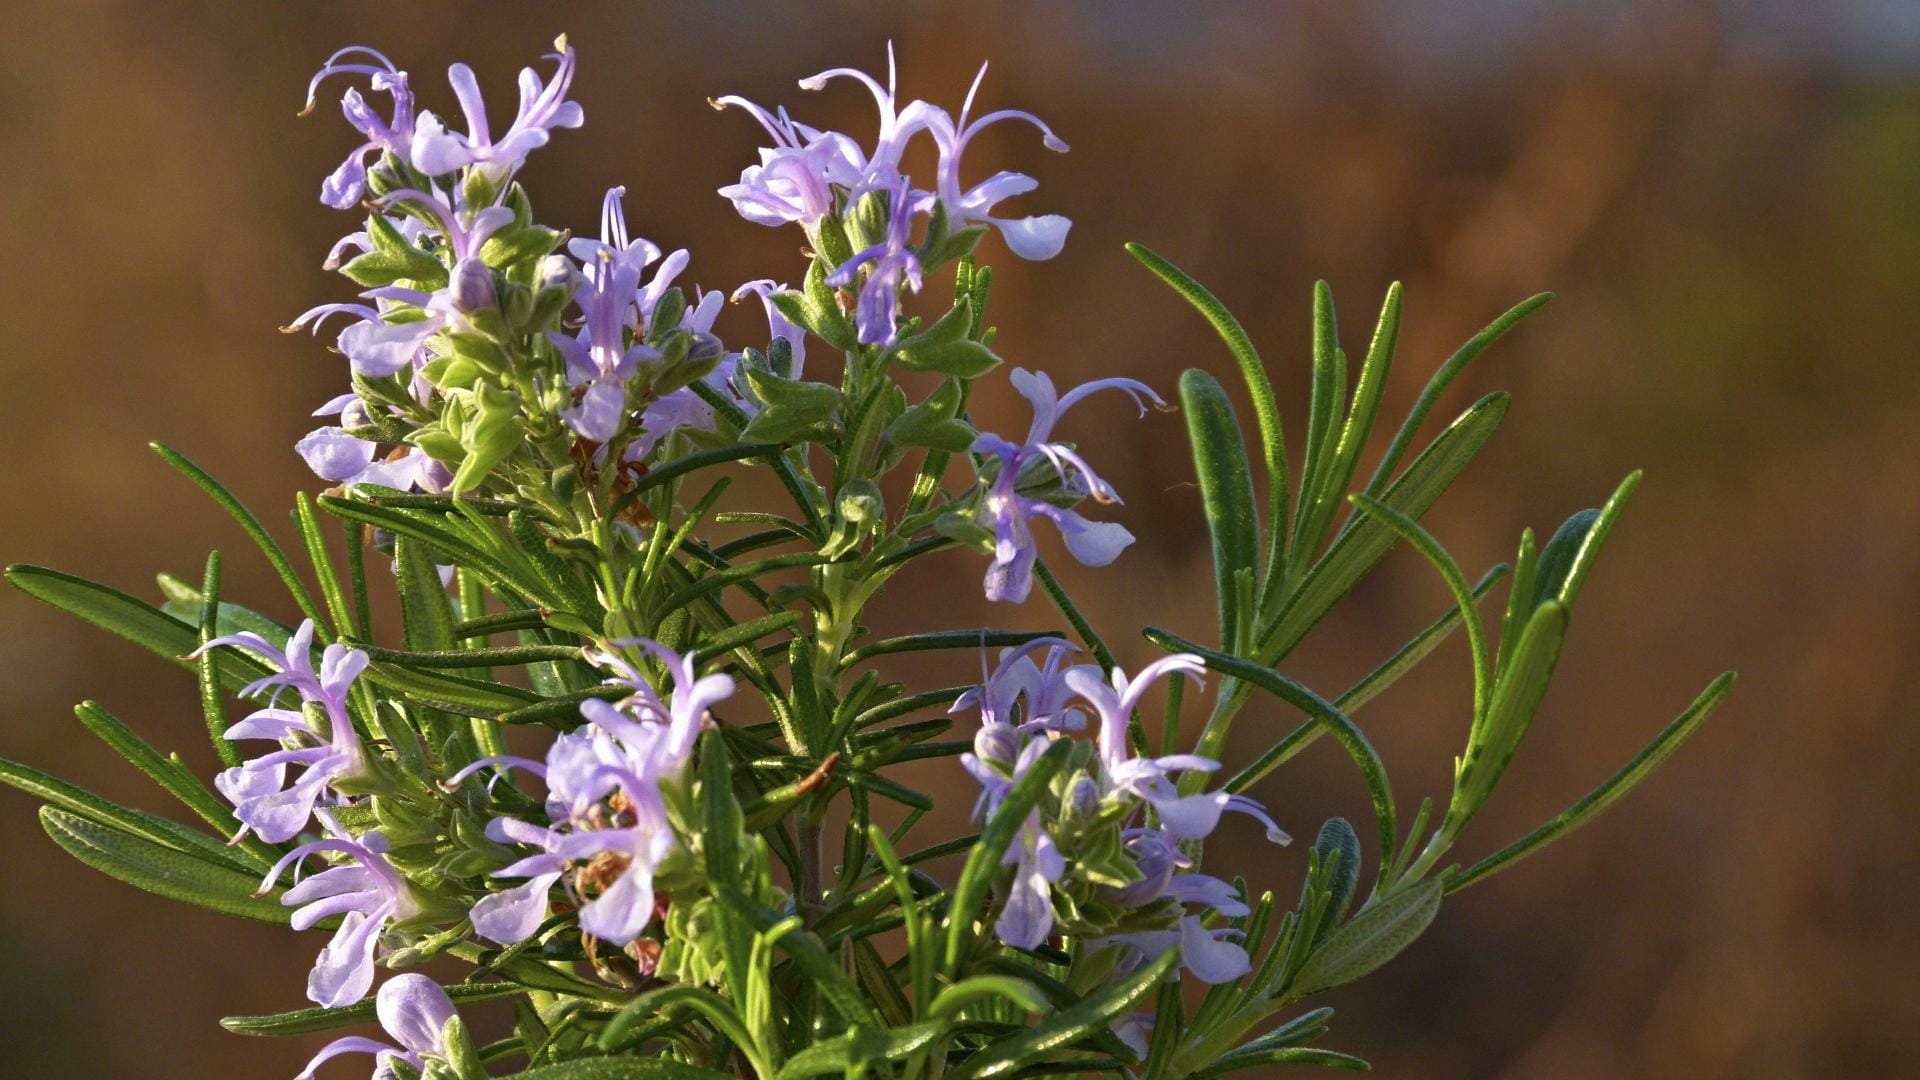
997,743
1083,797
472,286
1157,859
557,272
705,347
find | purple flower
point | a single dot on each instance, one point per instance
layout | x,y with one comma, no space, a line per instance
604,799
1042,686
386,340
778,328
897,125
365,890
797,175
1010,577
1214,956
344,186
263,800
894,266
1184,817
1026,913
543,107
339,458
599,360
415,1011
1039,237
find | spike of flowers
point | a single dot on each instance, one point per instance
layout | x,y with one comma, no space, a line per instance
603,795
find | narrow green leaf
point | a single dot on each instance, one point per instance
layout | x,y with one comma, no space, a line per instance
135,620
1570,555
207,669
1068,1026
502,656
1365,540
1372,769
721,851
1443,378
1338,845
255,531
621,1068
1423,542
1273,439
1516,699
1367,396
861,1049
77,800
1600,798
174,778
1368,940
167,871
1323,409
944,639
308,1021
809,955
1226,492
1295,1055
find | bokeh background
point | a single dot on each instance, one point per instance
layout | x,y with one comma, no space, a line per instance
1725,196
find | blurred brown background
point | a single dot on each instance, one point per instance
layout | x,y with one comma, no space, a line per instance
1726,197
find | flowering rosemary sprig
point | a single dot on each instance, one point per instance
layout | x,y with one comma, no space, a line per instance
539,439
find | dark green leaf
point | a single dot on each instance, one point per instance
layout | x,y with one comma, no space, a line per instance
1226,492
1369,939
167,871
1596,801
308,1021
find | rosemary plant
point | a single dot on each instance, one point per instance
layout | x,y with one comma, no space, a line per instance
538,438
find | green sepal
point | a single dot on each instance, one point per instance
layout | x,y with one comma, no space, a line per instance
794,410
933,423
518,243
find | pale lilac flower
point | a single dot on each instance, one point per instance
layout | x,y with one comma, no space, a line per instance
1049,700
1026,913
1134,1029
344,186
629,749
377,347
263,800
1214,956
339,458
366,891
797,176
778,328
894,266
543,107
1039,237
415,1011
612,301
1185,817
1010,577
897,125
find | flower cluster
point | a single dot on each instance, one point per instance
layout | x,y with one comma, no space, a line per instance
808,176
611,827
1121,815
